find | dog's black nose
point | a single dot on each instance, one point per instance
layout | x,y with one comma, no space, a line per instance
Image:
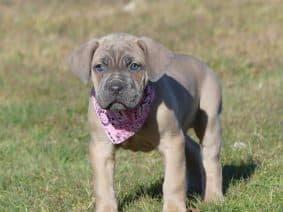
116,88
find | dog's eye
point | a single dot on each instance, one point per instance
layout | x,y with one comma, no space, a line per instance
134,67
99,67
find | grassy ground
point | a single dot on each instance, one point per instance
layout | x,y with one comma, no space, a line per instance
43,133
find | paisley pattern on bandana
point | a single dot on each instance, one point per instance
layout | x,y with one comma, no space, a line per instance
123,124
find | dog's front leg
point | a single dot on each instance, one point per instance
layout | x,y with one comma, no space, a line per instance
102,160
172,148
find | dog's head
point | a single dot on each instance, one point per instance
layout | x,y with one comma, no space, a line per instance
120,66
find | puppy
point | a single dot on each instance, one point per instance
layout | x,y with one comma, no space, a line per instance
145,97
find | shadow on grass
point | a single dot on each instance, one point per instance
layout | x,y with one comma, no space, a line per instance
154,191
232,173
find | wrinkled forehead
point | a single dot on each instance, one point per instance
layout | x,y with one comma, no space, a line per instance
119,49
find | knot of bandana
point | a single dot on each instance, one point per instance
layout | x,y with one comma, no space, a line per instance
123,124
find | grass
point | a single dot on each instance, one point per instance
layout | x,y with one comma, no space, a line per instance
43,107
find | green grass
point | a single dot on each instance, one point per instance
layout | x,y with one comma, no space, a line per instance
43,107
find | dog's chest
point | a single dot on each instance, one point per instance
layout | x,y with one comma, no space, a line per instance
146,139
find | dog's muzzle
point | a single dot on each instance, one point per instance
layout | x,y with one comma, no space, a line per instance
119,93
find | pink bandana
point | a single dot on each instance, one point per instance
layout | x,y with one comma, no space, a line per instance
123,124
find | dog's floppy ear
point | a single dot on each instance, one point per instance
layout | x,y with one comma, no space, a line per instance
157,56
80,59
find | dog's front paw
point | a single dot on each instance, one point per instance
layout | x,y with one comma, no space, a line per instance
174,206
213,196
107,207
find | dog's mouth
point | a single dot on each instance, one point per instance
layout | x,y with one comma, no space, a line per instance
116,106
123,102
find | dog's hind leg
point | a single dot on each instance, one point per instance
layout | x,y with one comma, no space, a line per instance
211,145
208,130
